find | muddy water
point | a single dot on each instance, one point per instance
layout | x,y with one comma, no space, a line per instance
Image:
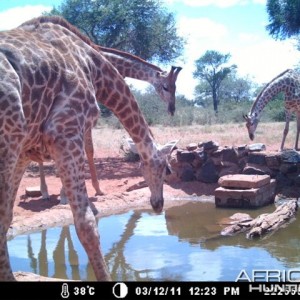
182,244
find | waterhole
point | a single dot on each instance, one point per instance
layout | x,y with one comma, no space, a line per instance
181,244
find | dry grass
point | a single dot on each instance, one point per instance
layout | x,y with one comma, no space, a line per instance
109,140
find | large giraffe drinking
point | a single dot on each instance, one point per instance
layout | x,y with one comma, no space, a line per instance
129,66
287,82
51,77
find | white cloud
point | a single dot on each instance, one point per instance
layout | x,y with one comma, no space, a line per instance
201,34
265,59
195,28
217,3
14,17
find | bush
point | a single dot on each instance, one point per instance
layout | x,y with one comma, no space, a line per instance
186,114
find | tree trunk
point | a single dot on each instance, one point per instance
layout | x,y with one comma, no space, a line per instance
215,101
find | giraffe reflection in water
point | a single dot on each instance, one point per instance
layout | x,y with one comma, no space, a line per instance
40,265
115,258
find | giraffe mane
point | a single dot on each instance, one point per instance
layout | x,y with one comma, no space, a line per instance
130,56
62,22
266,86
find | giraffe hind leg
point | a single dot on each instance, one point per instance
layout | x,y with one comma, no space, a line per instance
43,184
68,155
89,150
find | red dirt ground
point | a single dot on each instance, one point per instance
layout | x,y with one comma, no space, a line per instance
115,175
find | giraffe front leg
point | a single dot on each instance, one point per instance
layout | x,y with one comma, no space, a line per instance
11,172
6,207
69,158
286,129
297,133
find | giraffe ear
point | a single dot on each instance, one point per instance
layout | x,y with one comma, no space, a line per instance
168,148
176,72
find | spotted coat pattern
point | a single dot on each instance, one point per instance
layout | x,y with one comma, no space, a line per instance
288,83
51,77
130,66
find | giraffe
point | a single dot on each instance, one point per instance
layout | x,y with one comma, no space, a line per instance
132,66
129,66
287,82
51,79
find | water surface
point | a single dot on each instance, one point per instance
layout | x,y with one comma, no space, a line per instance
183,244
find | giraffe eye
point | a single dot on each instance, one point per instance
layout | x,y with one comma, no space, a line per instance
165,88
168,171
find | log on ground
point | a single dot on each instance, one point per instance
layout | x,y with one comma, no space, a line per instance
264,223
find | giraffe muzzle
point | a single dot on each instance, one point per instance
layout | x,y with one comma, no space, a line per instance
171,109
157,205
251,136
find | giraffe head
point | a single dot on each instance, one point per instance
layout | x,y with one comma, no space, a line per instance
166,87
251,123
154,171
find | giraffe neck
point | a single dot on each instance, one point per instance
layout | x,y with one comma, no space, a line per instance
126,109
132,66
109,86
282,83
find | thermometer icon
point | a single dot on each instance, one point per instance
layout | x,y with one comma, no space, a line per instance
65,291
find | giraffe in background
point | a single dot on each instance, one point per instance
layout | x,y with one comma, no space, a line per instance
51,77
287,82
129,66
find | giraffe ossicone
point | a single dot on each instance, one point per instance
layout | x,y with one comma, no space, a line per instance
51,78
287,82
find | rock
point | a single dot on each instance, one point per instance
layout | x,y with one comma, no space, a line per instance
254,169
33,191
191,146
290,156
287,168
229,170
209,146
257,158
187,175
185,156
273,160
230,155
208,173
245,198
244,181
256,147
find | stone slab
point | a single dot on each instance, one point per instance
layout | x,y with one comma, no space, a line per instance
245,198
244,181
33,191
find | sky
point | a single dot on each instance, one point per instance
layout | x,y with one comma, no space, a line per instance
237,27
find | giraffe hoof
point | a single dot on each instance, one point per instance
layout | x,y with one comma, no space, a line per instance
99,193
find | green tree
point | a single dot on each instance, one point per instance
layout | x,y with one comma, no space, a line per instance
284,18
142,27
211,68
236,89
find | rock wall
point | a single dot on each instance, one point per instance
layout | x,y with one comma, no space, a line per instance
208,161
